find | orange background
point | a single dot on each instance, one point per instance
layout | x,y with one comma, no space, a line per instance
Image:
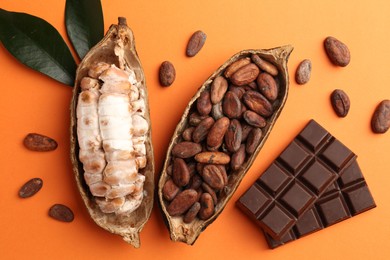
30,102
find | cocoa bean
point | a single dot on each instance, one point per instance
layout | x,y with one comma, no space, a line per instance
170,190
380,121
232,68
216,111
303,72
212,175
257,103
218,89
239,91
212,158
264,65
337,52
231,105
182,202
223,173
187,134
195,44
30,188
206,188
201,131
195,182
254,119
216,133
245,131
206,206
267,86
238,158
340,102
181,173
39,143
186,149
167,74
233,136
61,212
253,140
195,118
191,213
245,75
203,104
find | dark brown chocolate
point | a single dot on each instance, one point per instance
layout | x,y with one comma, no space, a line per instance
295,180
345,198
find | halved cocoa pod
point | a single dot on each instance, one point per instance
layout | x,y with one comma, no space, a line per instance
181,228
117,49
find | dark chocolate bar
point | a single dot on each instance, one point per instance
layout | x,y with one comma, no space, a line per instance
345,198
295,180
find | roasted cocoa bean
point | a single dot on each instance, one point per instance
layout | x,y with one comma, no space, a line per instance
232,68
206,206
340,102
216,133
267,86
231,105
223,172
191,213
380,121
170,190
252,85
212,158
257,103
195,43
238,158
170,169
254,119
216,111
264,65
39,143
233,136
182,202
186,149
245,75
187,134
61,212
337,52
253,140
303,72
203,104
30,188
212,175
239,91
206,188
245,131
201,131
181,174
167,74
218,89
195,118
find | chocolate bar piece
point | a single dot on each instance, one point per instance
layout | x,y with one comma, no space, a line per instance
345,198
295,180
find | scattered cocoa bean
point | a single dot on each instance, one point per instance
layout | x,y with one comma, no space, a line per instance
61,212
340,102
380,121
39,143
303,72
30,188
337,52
195,44
167,74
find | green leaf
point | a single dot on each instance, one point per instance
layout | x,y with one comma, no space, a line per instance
37,44
84,24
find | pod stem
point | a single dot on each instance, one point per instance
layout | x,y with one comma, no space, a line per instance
122,21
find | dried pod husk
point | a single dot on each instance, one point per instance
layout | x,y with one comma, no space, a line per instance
189,232
117,47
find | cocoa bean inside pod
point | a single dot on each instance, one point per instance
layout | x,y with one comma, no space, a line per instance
115,177
223,158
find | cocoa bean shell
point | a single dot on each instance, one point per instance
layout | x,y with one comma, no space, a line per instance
127,225
189,232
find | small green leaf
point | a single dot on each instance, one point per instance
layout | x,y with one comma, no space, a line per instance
84,24
37,44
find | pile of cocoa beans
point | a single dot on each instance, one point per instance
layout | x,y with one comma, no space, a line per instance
223,129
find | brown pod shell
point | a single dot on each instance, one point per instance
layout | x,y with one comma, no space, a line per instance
127,225
189,232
